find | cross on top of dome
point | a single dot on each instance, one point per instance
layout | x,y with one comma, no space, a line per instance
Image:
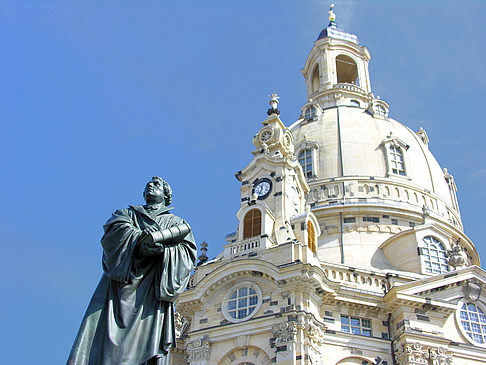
332,17
332,31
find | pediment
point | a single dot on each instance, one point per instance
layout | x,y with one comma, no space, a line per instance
444,290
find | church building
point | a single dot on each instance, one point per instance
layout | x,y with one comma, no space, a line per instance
349,247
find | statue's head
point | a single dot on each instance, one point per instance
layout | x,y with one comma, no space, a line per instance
157,191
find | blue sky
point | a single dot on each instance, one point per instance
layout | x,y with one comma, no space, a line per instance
98,96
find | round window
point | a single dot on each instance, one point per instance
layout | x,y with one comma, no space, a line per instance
242,302
472,321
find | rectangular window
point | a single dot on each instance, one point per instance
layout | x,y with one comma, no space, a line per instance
356,325
371,219
396,160
350,220
394,221
305,159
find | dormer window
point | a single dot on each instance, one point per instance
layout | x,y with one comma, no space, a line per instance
396,160
434,257
306,152
305,160
395,157
310,113
380,110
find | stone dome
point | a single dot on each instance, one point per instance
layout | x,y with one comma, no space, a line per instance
375,188
348,142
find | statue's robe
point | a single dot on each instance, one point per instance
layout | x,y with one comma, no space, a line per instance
130,319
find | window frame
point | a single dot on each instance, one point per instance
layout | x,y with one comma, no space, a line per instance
310,112
361,327
393,142
426,257
311,236
308,173
252,224
228,297
395,151
313,148
459,320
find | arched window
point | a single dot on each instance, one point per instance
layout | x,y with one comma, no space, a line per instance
434,256
473,321
310,112
354,102
311,236
252,224
305,160
396,160
347,71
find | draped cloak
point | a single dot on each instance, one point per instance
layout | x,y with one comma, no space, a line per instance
130,318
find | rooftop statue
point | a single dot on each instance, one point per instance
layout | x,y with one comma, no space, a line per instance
148,255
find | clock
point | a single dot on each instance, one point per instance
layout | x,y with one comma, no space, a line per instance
263,188
266,135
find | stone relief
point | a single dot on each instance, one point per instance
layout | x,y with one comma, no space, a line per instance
284,332
198,349
417,354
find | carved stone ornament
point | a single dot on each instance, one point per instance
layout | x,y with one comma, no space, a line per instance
439,356
417,354
178,320
315,336
198,350
284,332
457,258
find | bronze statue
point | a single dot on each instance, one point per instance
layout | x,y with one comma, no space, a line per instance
148,255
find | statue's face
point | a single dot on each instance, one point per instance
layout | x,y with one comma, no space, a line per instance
154,191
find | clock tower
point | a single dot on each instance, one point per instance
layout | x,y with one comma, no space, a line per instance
349,247
273,190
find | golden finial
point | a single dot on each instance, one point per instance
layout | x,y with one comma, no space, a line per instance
332,16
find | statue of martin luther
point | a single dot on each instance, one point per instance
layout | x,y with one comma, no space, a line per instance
148,255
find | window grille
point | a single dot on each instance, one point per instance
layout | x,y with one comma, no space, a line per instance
434,256
473,321
356,325
242,302
396,160
310,112
305,160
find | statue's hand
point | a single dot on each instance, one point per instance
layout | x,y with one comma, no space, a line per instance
147,245
148,248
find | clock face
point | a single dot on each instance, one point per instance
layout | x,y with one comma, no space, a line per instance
262,188
266,135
